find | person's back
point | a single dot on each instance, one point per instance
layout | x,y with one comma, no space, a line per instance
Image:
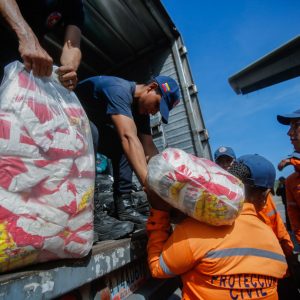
242,261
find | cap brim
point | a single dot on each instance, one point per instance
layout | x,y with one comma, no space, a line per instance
286,119
164,110
224,154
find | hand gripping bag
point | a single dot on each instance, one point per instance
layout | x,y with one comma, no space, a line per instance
196,186
47,171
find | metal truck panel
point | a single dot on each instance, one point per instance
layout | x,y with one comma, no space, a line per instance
137,40
50,280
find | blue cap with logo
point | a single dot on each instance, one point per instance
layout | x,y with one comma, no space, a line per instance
170,95
287,118
224,151
262,171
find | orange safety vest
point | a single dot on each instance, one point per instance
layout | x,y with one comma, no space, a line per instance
296,163
292,190
241,261
272,218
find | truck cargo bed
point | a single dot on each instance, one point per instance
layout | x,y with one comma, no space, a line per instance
52,279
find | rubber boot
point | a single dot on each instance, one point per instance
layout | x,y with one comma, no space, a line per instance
141,203
126,211
109,228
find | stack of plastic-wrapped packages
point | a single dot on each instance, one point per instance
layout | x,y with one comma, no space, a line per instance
196,186
46,171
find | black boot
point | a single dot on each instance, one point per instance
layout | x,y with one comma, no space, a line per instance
106,227
126,211
141,202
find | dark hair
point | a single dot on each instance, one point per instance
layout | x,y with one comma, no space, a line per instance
240,171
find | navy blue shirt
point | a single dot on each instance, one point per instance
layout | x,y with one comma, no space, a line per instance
103,96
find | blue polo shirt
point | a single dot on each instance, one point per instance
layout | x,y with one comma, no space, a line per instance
103,96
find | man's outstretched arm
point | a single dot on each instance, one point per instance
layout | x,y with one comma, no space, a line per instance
132,146
35,58
148,145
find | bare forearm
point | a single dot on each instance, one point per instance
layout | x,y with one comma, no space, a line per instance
11,13
70,58
135,154
151,151
34,57
71,54
148,145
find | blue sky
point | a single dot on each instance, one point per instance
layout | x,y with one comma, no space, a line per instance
223,37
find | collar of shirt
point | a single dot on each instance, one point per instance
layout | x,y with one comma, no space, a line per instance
248,209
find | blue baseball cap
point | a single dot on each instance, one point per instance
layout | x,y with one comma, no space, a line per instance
286,119
262,171
170,95
224,151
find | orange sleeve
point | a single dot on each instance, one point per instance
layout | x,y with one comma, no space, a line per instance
281,232
283,236
295,162
293,212
270,215
168,254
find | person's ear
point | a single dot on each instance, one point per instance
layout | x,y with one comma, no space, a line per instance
152,86
262,196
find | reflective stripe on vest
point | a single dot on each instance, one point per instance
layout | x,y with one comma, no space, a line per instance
165,267
245,252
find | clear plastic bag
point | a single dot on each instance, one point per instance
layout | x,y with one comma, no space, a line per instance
196,186
47,171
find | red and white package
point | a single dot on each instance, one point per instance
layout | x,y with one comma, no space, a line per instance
196,186
47,171
14,138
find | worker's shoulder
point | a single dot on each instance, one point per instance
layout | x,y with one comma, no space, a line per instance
196,229
293,177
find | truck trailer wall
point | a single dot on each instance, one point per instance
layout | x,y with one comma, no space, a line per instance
137,40
185,128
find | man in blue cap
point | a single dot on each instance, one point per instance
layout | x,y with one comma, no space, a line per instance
121,110
224,157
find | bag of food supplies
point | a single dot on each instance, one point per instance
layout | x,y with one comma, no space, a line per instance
47,171
196,186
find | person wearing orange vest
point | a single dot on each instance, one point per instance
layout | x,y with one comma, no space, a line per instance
241,261
225,157
269,215
292,183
